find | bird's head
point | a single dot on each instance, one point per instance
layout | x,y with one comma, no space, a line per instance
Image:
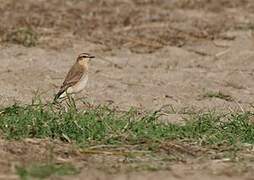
84,57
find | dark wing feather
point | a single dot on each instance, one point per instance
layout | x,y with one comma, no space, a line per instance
73,76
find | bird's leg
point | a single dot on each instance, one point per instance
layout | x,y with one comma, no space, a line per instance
71,102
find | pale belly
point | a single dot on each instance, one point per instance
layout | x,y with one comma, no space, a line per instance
79,86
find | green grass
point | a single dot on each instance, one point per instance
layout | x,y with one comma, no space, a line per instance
100,128
102,125
42,171
24,36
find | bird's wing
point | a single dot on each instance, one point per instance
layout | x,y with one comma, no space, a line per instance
74,75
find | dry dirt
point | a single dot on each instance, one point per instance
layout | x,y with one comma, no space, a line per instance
149,54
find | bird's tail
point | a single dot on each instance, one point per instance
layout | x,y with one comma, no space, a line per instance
57,96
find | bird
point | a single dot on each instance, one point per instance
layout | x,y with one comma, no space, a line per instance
77,77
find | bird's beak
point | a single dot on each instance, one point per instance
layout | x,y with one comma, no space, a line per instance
91,56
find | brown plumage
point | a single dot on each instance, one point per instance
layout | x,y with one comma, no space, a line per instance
76,78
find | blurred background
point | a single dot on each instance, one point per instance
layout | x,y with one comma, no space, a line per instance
143,26
191,59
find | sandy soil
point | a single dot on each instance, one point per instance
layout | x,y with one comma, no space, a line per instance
149,54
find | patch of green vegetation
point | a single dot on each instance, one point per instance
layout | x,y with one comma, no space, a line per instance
42,171
219,95
102,125
24,36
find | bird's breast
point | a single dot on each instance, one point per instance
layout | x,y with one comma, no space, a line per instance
80,85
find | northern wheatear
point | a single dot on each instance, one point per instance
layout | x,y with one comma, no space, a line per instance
76,78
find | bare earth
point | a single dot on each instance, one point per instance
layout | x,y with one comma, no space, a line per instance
149,54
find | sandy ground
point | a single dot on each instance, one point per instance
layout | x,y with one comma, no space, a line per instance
149,53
